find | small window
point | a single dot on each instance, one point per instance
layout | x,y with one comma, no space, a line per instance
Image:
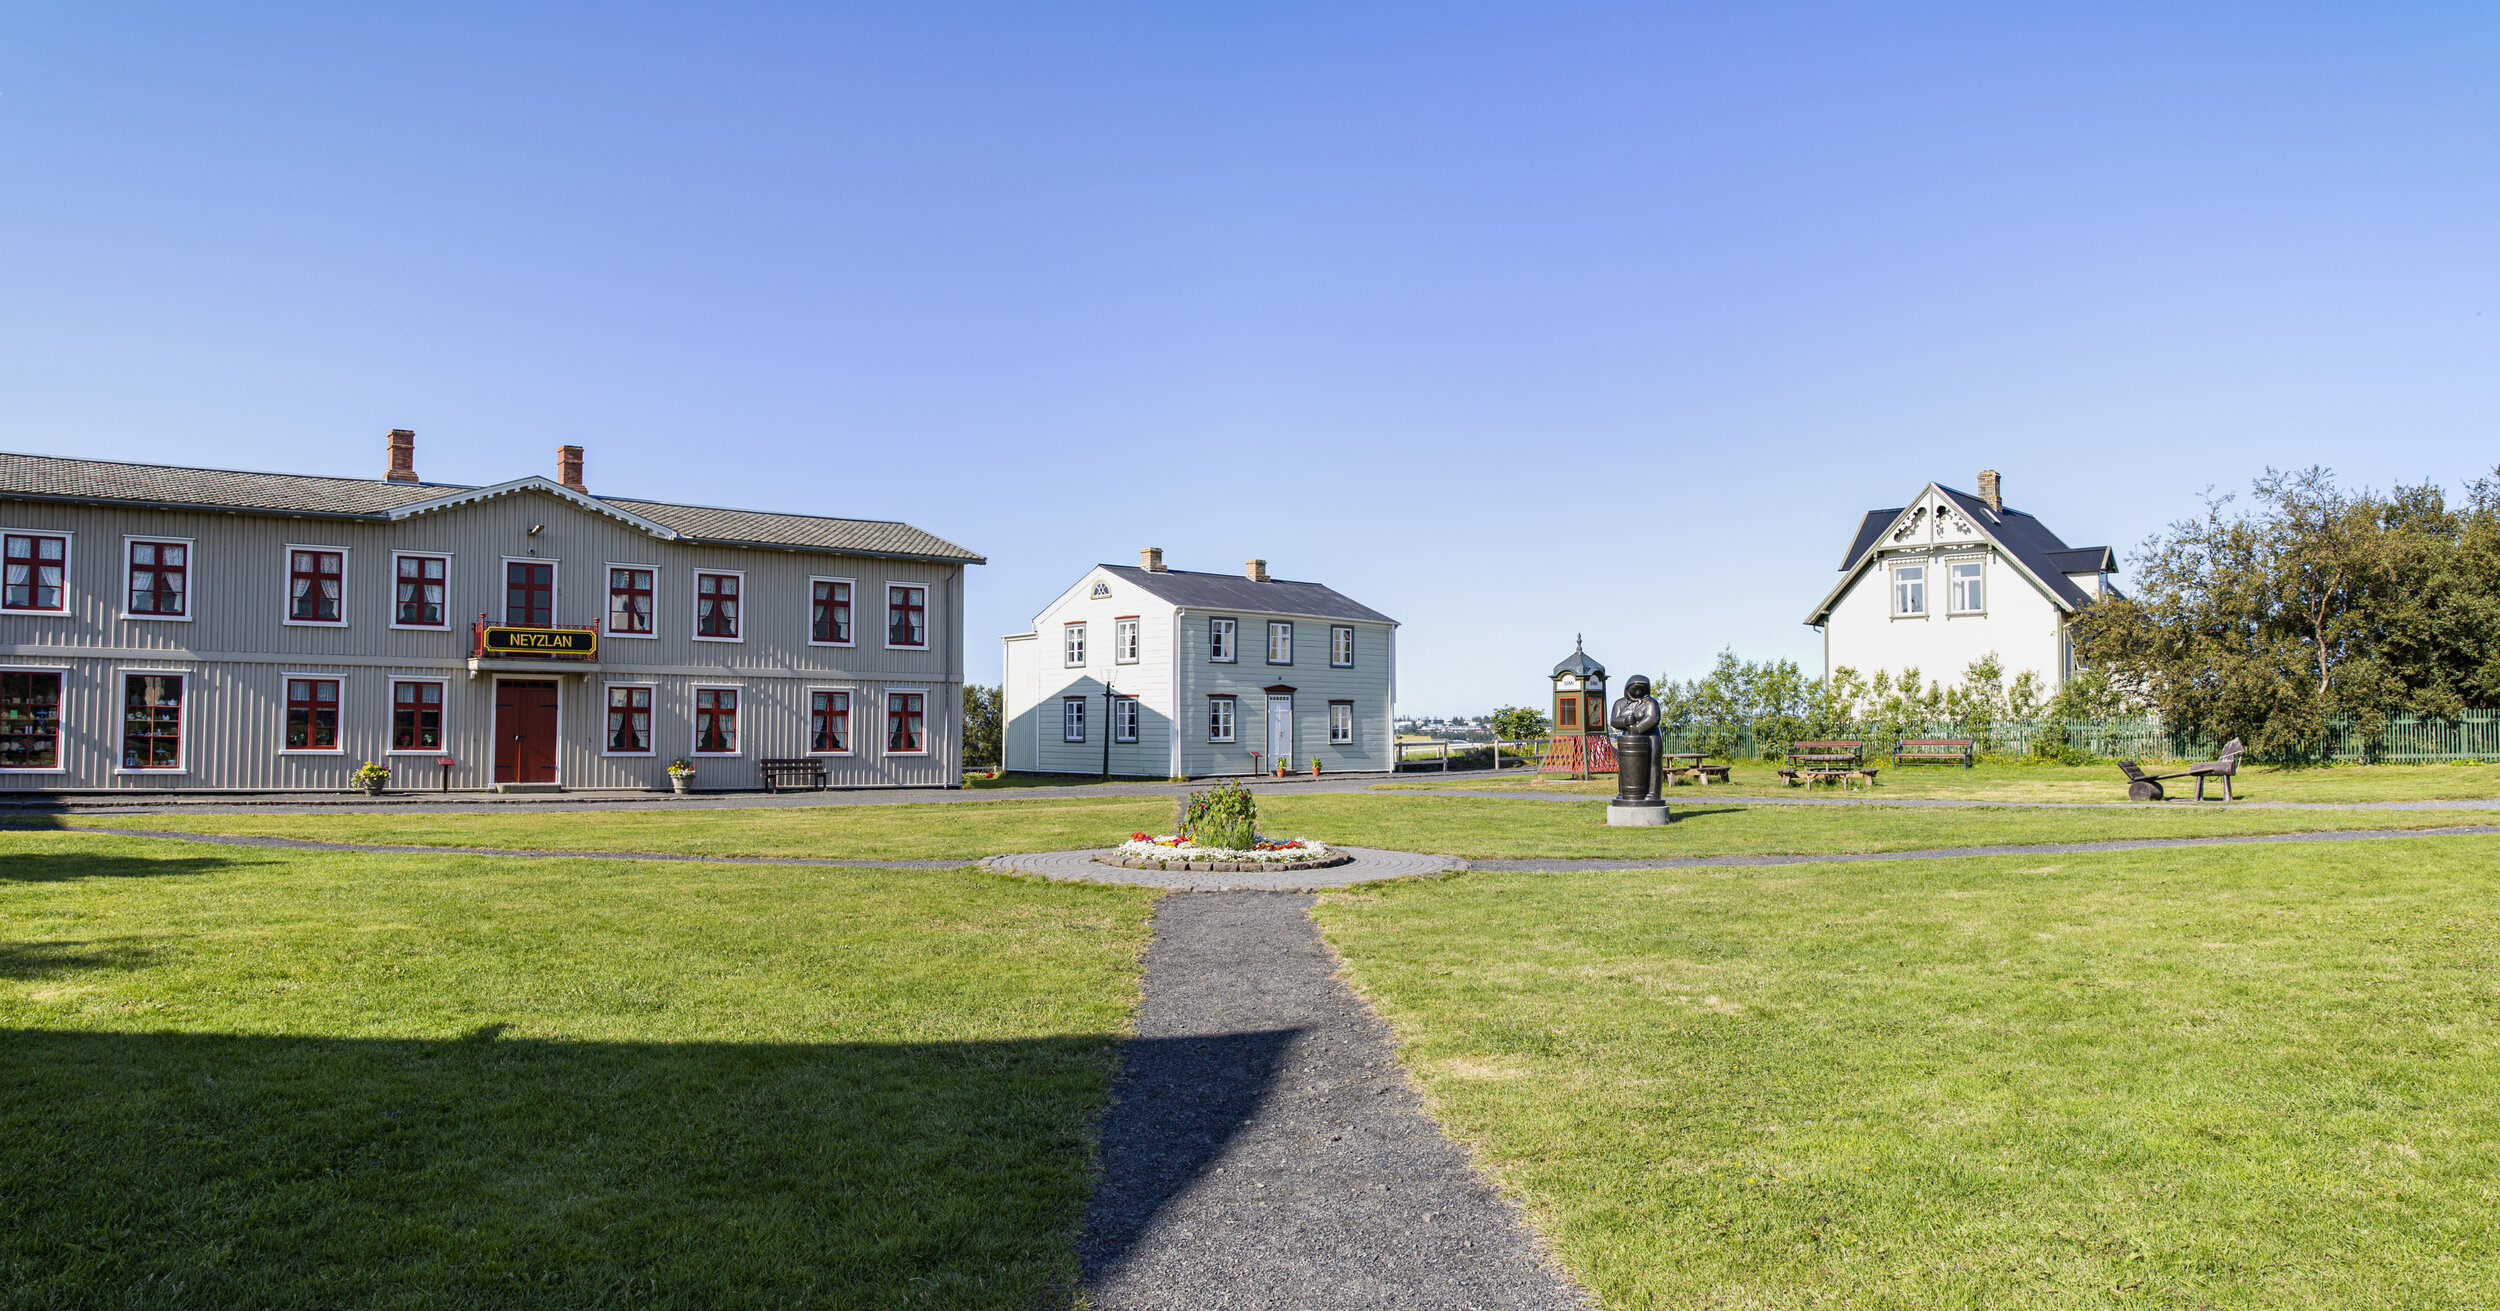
1072,719
716,721
1221,634
829,723
30,721
1280,641
1124,641
1124,719
316,586
829,616
1567,712
632,602
629,721
160,578
716,606
416,716
1341,646
418,597
1966,588
1219,719
38,572
312,714
1909,589
1072,645
152,721
1340,723
903,723
907,616
529,593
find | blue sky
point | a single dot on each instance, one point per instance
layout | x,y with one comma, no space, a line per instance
1429,303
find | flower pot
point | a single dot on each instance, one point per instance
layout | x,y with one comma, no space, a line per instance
681,784
373,786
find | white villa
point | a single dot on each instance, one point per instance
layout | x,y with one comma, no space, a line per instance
1951,577
1166,673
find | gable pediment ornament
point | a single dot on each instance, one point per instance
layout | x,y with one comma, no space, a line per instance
1910,526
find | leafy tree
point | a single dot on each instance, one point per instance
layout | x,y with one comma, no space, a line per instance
1519,723
983,708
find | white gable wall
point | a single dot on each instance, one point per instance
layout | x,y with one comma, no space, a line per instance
2020,622
1039,679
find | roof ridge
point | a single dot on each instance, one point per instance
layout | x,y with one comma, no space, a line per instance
248,473
736,509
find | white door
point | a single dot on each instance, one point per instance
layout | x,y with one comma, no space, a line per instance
1280,731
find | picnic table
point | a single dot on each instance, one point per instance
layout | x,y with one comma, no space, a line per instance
1829,761
1682,765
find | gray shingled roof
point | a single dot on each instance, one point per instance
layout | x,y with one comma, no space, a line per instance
2028,541
54,478
1236,592
1578,662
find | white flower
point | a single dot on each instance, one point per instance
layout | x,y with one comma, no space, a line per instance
1162,848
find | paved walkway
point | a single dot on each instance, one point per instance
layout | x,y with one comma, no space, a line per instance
1263,1149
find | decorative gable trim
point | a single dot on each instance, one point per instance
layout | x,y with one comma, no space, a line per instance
547,486
1904,530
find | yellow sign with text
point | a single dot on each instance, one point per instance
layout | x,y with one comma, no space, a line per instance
582,642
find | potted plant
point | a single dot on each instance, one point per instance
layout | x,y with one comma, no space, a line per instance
371,777
1315,767
681,775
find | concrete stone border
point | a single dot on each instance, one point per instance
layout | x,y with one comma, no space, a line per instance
1363,865
1335,858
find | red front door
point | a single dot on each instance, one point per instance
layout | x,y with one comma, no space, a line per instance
525,732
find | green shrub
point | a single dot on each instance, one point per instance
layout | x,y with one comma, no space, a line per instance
1221,816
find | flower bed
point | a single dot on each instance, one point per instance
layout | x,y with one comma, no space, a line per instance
1169,851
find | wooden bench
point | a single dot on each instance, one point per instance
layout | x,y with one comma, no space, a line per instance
2147,787
1935,751
1827,762
800,775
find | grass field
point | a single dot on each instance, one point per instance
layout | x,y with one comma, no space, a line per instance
1460,826
276,1079
2176,1079
1996,782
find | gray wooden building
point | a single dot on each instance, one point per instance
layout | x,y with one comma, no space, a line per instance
178,628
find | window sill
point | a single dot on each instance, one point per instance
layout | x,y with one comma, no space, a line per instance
404,628
701,638
150,773
715,755
638,637
340,752
842,645
48,614
894,646
435,752
156,619
629,755
920,752
36,769
844,754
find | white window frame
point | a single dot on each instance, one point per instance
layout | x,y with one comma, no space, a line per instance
393,599
1333,739
928,626
190,600
390,727
1125,642
1274,628
1072,716
694,713
182,727
1953,586
694,610
607,597
60,745
286,590
283,679
1232,718
1341,635
1893,577
928,715
853,584
1123,711
1075,644
850,716
653,738
1231,630
555,591
69,555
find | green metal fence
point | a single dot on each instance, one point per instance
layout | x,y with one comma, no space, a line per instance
2400,740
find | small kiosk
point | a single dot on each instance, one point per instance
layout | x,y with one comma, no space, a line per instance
1581,745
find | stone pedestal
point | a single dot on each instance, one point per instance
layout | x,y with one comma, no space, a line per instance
1635,814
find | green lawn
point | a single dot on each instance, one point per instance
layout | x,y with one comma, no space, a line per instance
1461,826
1995,782
278,1079
2248,1077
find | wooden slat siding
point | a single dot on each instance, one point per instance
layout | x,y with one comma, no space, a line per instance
1036,709
1314,682
238,595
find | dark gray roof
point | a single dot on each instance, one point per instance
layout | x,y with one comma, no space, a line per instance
1235,592
53,478
2026,540
1578,662
2085,560
1870,528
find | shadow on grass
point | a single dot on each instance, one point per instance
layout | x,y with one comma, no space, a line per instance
280,1171
48,960
1178,1102
66,866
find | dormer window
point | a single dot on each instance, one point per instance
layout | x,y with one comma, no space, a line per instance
1909,589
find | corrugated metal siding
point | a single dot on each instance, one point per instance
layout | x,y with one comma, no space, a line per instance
238,648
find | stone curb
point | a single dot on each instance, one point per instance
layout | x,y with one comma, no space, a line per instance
1224,866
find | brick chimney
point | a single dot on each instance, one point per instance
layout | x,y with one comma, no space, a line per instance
1151,560
1255,570
403,456
569,467
1991,491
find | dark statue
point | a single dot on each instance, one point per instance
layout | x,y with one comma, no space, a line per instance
1639,768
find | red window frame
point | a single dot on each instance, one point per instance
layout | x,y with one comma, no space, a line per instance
629,719
906,722
312,713
531,584
33,575
829,614
637,591
1567,712
30,719
412,588
828,722
907,612
160,601
152,725
316,579
716,597
716,721
417,715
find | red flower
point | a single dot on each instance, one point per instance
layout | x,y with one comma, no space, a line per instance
1140,837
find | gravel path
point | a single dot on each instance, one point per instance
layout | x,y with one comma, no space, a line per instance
1263,1148
1368,865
